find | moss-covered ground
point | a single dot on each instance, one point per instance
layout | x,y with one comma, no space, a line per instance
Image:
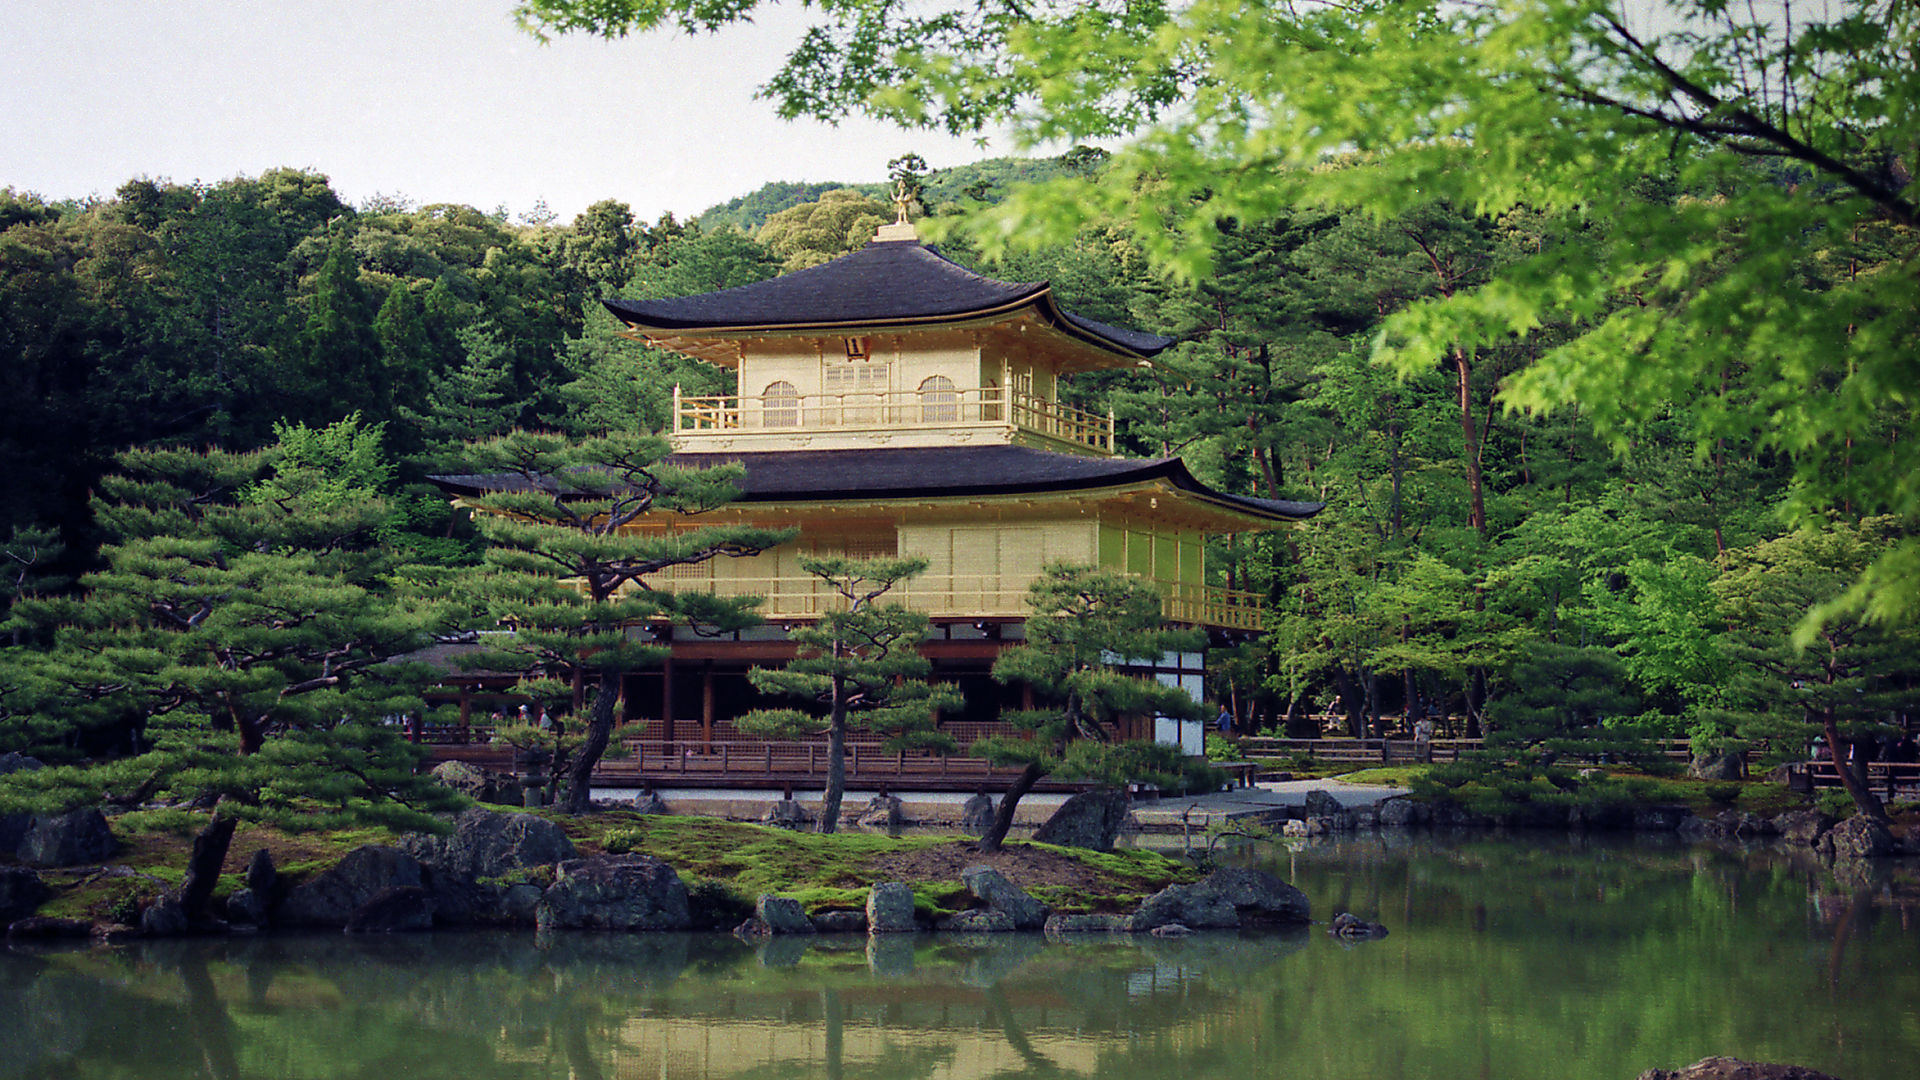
729,861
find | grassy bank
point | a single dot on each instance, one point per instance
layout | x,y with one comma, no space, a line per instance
724,863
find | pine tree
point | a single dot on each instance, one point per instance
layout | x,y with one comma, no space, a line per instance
863,664
574,532
236,650
1084,620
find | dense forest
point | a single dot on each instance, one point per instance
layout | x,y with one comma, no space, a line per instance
1504,570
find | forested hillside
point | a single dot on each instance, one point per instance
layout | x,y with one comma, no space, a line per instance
1507,568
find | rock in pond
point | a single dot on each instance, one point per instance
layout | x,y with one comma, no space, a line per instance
992,888
21,893
782,915
1354,928
1225,899
333,897
883,812
890,909
1091,819
389,911
615,892
1858,837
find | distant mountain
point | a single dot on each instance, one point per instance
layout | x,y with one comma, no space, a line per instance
986,181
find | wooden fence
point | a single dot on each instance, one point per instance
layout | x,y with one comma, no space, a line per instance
1347,751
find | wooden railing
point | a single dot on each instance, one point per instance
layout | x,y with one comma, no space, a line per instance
978,595
1347,751
893,409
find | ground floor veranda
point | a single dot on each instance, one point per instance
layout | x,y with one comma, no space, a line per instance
678,722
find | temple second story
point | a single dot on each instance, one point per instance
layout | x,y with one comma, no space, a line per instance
891,346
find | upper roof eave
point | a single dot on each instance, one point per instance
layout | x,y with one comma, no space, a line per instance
847,294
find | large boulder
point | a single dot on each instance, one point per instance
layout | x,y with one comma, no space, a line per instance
390,911
21,893
1225,899
1718,766
991,887
1322,804
1058,925
1858,837
782,915
1660,818
1726,1068
977,921
615,892
250,904
1401,812
467,870
490,843
787,814
1091,819
472,781
976,816
331,898
883,812
1803,826
840,922
1187,905
71,839
13,827
890,909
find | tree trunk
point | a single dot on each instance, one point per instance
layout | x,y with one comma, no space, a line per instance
210,847
836,772
1003,815
1844,753
1477,510
599,731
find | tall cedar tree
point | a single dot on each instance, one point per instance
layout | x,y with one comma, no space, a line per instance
1083,620
573,538
863,664
240,640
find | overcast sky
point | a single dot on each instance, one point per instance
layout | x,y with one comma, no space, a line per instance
436,100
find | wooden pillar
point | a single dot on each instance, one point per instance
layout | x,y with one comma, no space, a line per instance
706,703
466,704
666,698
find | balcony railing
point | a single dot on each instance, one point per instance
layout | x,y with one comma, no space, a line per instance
895,410
963,596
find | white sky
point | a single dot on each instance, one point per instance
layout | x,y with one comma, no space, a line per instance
436,100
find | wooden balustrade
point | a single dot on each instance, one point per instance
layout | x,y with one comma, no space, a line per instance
897,409
962,595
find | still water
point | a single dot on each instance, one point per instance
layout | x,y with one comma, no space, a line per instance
1545,958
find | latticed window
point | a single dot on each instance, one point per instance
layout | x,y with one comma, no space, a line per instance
780,405
939,403
854,388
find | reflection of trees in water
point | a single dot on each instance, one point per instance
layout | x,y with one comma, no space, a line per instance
1578,947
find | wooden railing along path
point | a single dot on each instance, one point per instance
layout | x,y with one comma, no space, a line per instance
1347,751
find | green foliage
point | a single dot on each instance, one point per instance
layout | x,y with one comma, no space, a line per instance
1221,748
621,841
237,648
861,664
570,544
842,221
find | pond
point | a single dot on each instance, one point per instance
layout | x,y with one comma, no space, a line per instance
1510,959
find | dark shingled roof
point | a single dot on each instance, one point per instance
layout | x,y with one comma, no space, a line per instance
932,472
886,283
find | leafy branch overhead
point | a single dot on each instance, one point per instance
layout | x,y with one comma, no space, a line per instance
1773,285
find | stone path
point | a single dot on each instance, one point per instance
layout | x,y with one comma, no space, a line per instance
1265,802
